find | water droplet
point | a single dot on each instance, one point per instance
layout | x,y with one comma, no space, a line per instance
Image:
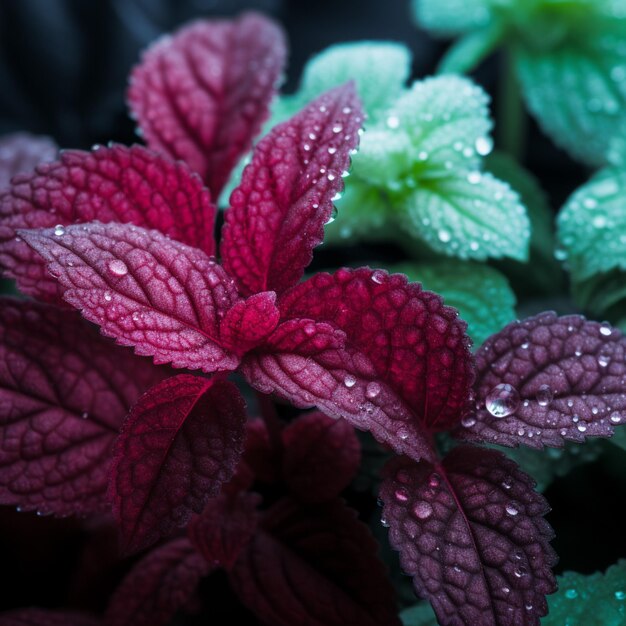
615,418
422,510
332,150
403,433
604,359
309,330
473,178
59,230
349,381
337,128
520,571
331,176
346,110
502,400
117,267
507,483
620,595
506,590
605,330
544,395
511,509
590,203
484,145
468,421
84,415
401,494
378,277
422,155
434,480
570,594
108,296
384,522
444,235
372,390
393,121
582,427
599,221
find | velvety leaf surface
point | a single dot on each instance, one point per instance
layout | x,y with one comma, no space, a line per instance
147,291
452,16
315,567
44,617
225,527
115,184
157,586
202,94
278,212
547,379
470,530
64,391
179,444
22,152
322,456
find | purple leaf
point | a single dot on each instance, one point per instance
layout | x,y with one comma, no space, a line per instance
278,212
202,94
157,586
471,533
179,444
547,379
315,566
115,184
161,297
44,617
225,527
22,152
322,456
64,391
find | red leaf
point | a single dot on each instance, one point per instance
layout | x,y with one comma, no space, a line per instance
202,94
321,457
179,444
316,567
44,617
64,391
470,530
161,297
158,586
278,212
115,184
546,379
22,152
225,527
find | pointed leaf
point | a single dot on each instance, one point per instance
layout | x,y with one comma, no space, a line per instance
470,530
317,567
64,391
161,297
22,152
278,212
115,184
44,617
202,94
322,456
548,379
179,444
157,586
225,527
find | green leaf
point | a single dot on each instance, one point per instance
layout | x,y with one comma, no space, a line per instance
470,49
619,437
480,293
380,70
593,600
421,614
449,17
472,217
592,226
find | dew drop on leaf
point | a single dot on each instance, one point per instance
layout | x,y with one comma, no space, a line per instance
484,145
511,509
502,400
117,267
59,230
372,390
468,421
615,418
349,381
571,594
620,595
544,395
401,494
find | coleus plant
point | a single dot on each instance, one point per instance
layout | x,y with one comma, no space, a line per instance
362,345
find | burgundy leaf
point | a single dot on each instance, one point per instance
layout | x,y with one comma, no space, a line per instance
470,530
309,364
546,379
278,212
202,94
22,152
116,184
64,391
44,617
179,444
321,456
249,322
225,527
258,454
158,586
315,567
147,291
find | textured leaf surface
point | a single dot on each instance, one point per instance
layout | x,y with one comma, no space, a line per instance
22,152
316,567
475,216
561,378
179,444
161,297
157,586
202,95
278,212
322,456
451,16
481,294
593,600
591,224
225,527
64,391
115,184
471,532
44,617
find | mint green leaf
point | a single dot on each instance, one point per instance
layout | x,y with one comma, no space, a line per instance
448,17
380,70
602,295
594,600
592,226
480,293
421,614
619,437
472,217
470,49
578,93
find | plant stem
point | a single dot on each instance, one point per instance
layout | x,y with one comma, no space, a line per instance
512,120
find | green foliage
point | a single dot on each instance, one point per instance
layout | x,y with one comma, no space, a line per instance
594,600
419,615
